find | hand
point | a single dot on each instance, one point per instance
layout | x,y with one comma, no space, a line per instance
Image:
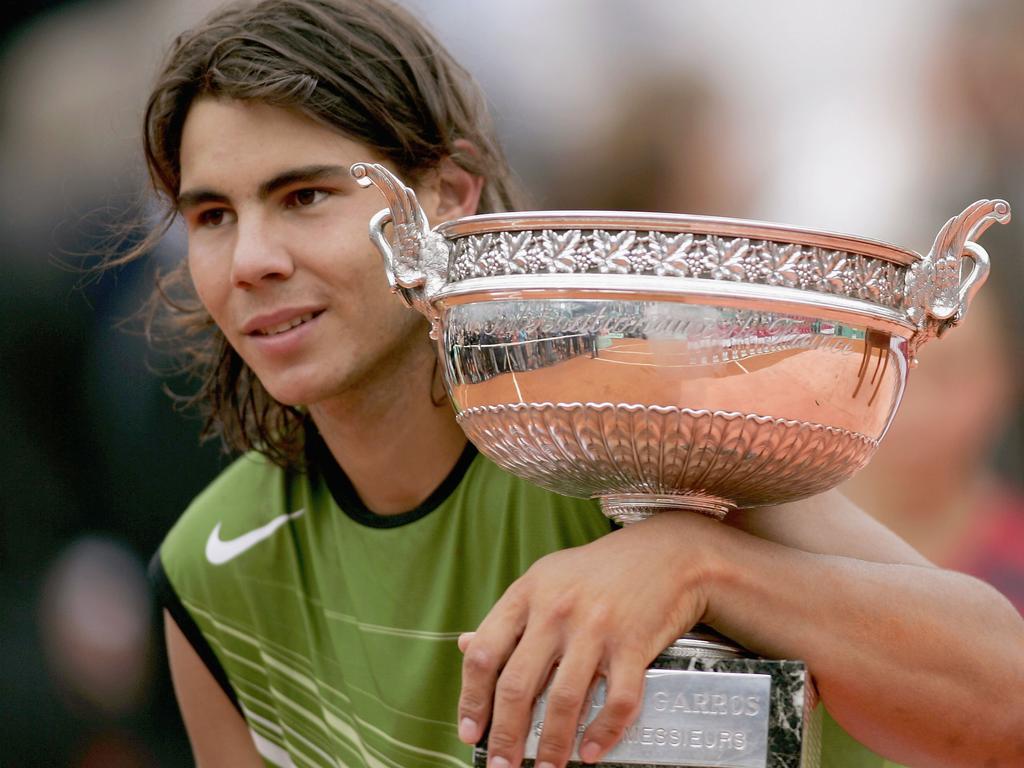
605,609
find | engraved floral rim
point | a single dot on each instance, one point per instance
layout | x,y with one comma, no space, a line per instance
932,289
670,222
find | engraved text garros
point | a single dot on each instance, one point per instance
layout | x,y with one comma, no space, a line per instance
687,718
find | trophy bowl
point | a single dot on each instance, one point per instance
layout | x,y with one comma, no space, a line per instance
659,361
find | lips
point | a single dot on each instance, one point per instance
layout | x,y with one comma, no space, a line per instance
287,325
281,321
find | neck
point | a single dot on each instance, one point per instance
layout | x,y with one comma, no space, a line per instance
394,444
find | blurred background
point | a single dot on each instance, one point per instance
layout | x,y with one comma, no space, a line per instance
880,119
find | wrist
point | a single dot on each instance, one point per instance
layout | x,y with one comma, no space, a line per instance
718,570
699,555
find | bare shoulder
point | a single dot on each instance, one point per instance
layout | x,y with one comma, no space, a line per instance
217,732
827,524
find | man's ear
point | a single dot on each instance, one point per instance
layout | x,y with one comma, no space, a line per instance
458,189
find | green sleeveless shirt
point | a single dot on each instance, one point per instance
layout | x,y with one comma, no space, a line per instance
334,629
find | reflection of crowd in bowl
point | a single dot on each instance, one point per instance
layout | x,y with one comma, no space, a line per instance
756,333
478,354
481,358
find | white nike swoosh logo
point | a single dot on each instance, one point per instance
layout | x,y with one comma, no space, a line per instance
219,551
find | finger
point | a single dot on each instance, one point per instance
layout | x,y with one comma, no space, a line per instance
567,698
621,707
484,656
465,639
588,700
522,679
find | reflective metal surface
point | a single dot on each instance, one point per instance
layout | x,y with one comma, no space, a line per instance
680,402
658,361
703,642
673,223
687,719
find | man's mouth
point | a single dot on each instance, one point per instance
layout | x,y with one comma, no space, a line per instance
287,325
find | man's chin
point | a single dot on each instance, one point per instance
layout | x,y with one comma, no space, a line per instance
290,394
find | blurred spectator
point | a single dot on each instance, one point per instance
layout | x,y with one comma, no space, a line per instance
95,626
948,475
932,481
91,445
978,138
670,147
98,644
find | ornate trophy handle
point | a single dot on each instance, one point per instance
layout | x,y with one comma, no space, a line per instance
416,263
937,298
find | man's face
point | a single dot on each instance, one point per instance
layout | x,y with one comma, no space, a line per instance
279,252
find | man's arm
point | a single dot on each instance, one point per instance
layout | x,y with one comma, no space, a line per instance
828,524
923,665
218,734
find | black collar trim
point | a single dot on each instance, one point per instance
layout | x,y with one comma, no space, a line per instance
348,500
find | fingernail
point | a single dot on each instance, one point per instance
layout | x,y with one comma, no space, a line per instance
467,729
546,764
498,762
590,751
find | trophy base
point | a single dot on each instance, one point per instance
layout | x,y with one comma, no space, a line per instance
626,508
707,702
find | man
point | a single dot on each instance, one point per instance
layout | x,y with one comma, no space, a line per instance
316,590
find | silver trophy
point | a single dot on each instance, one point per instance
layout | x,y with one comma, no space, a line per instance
657,362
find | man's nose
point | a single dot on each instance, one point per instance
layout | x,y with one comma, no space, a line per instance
259,255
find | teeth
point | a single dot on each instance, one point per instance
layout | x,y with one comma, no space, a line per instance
286,326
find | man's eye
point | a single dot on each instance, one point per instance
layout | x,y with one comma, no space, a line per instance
303,198
212,217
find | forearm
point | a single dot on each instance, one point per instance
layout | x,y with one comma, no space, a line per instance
922,664
827,524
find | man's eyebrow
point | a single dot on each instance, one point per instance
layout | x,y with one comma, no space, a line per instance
306,173
303,174
194,197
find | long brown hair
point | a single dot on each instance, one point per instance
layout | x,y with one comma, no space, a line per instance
365,68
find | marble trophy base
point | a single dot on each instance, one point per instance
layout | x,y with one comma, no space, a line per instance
789,736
